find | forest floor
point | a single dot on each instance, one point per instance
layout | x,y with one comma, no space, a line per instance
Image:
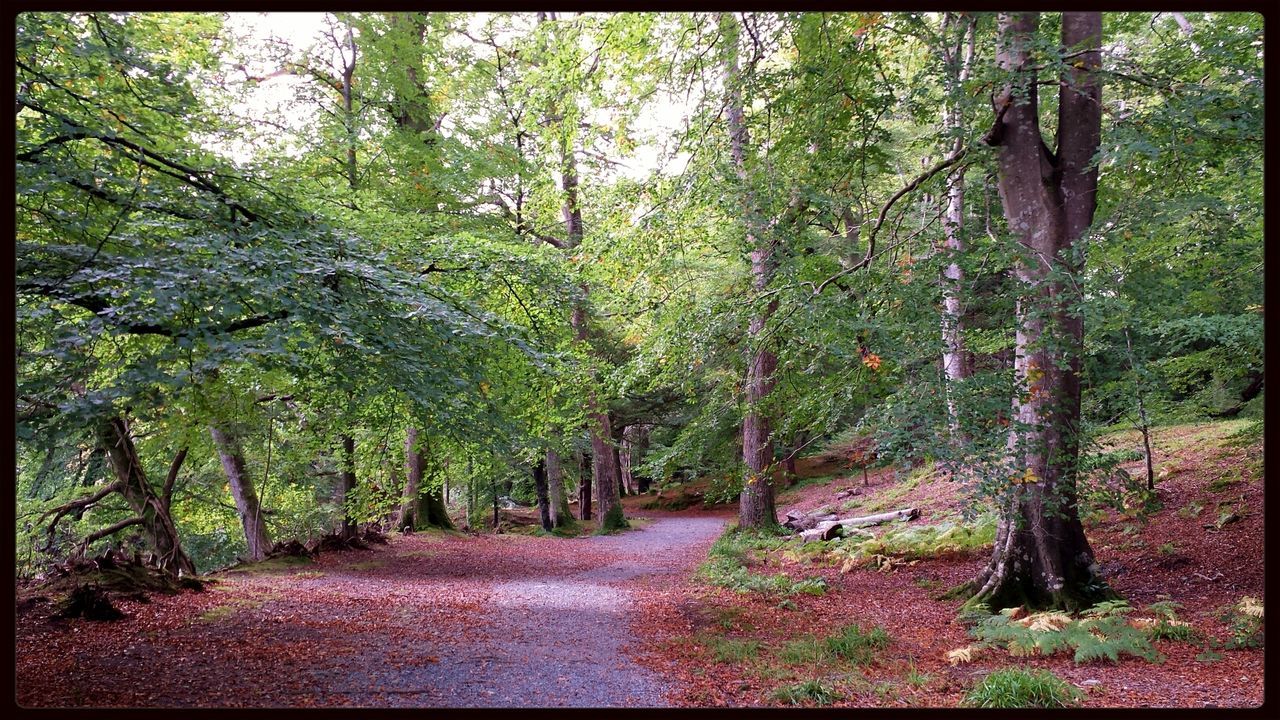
434,619
744,648
457,620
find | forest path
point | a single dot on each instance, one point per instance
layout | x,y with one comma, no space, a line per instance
433,620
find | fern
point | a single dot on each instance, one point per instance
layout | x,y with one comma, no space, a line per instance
1103,634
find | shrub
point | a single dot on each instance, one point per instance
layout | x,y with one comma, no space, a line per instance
1017,688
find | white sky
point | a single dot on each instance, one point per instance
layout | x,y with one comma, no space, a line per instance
274,98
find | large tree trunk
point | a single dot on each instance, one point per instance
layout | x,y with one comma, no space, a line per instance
604,472
406,518
429,509
756,503
157,523
955,361
1041,556
250,511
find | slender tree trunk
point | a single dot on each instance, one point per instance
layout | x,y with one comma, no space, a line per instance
540,486
955,361
1041,557
756,503
347,483
584,487
157,523
560,513
1144,426
256,536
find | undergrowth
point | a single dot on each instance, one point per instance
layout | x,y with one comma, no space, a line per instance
1017,688
729,556
813,691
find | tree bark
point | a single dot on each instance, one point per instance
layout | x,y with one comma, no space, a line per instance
256,536
756,503
407,517
430,510
540,486
157,523
1041,557
584,488
346,483
955,361
560,514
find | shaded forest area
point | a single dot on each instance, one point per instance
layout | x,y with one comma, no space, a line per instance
708,341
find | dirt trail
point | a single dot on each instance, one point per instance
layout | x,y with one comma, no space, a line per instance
432,621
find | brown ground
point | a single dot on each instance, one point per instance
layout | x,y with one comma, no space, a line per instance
1173,556
454,620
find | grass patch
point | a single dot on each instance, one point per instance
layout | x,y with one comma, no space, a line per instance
850,645
727,562
730,650
273,565
1017,688
813,692
1224,482
309,574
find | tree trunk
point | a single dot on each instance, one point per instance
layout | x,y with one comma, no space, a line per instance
346,483
407,518
540,486
756,503
430,510
560,514
584,488
955,361
604,471
157,523
1041,557
255,528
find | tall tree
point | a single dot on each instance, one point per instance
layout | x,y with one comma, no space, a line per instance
756,503
1041,556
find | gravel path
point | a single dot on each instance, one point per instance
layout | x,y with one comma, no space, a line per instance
430,621
554,641
551,640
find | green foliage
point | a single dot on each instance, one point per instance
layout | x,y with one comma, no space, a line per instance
1102,633
729,557
919,541
1018,688
1245,622
813,692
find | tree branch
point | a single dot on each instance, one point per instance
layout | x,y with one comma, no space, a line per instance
166,493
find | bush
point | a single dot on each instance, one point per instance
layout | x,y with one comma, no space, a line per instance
1017,688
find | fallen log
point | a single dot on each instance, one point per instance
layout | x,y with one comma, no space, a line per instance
806,522
836,528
